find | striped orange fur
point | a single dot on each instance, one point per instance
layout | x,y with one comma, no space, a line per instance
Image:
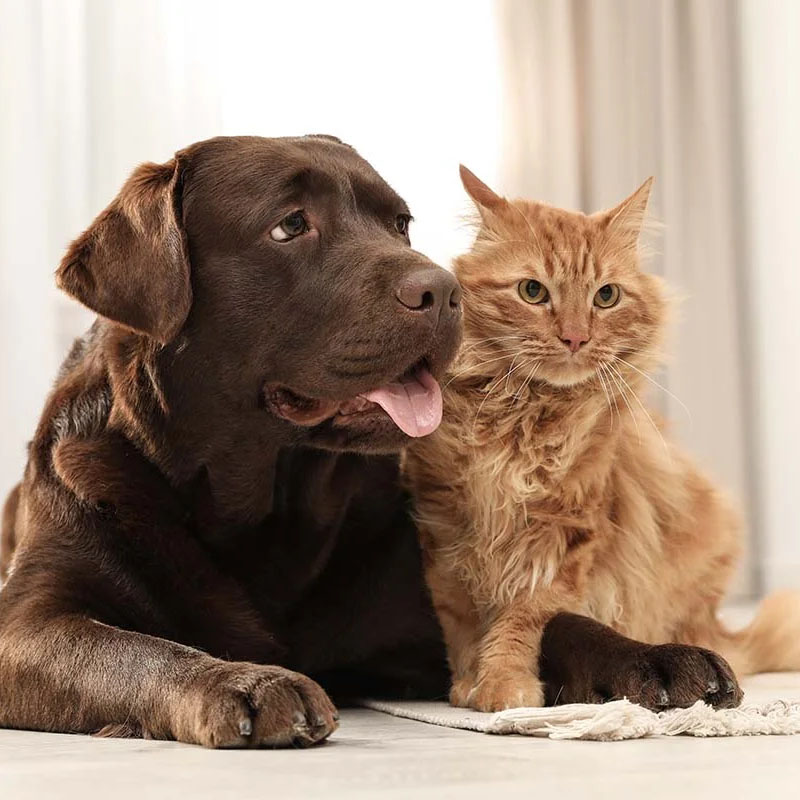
550,485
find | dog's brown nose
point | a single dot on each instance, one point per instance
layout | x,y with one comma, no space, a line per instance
429,290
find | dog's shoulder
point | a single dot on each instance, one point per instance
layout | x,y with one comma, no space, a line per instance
89,452
80,402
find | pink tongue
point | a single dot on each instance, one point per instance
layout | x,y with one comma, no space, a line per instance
414,402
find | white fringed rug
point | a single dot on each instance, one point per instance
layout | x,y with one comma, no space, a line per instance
761,713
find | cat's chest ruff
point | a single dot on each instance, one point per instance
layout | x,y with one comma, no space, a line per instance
524,458
523,504
519,462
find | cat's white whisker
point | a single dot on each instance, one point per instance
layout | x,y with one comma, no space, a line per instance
491,388
473,367
646,412
624,396
527,380
606,395
613,385
658,385
514,369
488,340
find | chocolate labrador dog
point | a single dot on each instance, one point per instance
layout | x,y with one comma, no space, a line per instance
211,509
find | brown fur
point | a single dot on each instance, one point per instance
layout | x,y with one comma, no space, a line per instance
8,535
549,487
181,548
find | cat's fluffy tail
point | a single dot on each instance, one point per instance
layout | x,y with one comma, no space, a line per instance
771,642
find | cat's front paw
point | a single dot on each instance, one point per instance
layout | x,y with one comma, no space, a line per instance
507,691
460,692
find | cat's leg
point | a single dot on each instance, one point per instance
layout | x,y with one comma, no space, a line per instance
509,653
583,661
460,626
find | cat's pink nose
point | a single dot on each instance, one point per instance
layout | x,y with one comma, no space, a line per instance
574,339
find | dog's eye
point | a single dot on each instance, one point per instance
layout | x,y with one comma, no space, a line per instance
290,226
401,223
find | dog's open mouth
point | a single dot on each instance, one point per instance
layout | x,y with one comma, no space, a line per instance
413,402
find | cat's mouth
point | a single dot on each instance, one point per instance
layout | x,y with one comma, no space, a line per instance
564,369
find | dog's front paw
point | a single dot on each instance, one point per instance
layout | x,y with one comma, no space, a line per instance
515,690
686,674
659,677
247,705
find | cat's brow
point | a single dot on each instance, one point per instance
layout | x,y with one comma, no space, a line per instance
596,268
490,283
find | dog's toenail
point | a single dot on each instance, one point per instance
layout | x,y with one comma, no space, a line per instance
663,698
335,716
713,687
730,687
245,727
319,721
299,718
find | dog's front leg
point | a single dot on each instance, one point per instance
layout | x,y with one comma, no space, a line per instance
583,661
71,674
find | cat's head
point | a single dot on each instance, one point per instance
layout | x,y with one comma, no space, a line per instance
559,289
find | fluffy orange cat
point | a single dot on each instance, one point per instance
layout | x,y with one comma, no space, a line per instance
549,487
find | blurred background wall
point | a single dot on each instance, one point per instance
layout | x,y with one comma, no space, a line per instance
570,101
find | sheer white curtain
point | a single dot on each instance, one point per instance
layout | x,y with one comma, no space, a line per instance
87,90
90,88
572,101
771,84
703,95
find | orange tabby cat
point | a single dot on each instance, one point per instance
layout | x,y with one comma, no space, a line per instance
548,486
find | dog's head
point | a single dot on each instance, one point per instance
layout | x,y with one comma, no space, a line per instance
278,277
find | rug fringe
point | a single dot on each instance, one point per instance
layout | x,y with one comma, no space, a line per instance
608,722
621,719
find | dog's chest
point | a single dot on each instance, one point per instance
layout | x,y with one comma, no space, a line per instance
320,505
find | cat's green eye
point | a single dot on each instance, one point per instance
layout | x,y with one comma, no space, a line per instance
533,292
607,296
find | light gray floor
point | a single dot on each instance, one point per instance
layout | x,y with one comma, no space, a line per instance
374,755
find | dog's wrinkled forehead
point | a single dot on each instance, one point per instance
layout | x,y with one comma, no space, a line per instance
246,181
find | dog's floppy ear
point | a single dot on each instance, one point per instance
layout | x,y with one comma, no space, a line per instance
131,265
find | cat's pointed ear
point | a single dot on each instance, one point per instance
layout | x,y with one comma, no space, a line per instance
131,265
484,198
627,218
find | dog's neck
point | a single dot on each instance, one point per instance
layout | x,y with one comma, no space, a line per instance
224,459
